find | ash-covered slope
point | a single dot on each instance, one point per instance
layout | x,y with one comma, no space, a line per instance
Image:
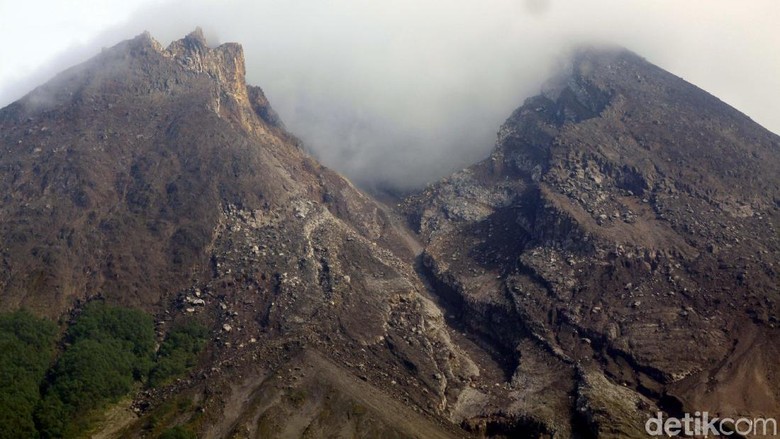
621,246
114,174
155,177
615,254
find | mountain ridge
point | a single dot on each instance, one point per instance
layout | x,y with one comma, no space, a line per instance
150,179
617,218
139,67
612,257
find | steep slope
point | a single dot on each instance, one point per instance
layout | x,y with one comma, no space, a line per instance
614,255
118,147
155,177
623,232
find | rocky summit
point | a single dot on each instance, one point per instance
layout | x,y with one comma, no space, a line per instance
619,247
612,258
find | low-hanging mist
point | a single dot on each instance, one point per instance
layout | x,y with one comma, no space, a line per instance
398,94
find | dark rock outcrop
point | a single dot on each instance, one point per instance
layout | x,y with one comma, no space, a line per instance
157,178
614,256
624,227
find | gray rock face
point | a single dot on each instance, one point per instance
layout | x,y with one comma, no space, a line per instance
615,254
589,237
157,178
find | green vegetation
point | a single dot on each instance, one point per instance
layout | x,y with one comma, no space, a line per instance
107,352
110,348
26,352
99,321
178,432
178,352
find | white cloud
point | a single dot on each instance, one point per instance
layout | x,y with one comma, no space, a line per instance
405,91
34,32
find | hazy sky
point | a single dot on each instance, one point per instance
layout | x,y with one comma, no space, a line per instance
404,91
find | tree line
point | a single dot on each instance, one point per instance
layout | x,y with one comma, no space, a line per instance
57,390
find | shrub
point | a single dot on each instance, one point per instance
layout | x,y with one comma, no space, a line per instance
26,351
178,432
107,350
92,372
178,352
110,348
132,328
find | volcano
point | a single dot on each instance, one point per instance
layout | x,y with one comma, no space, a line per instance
615,256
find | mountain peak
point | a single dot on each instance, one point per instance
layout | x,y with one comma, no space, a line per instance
197,36
616,252
224,63
143,65
622,198
587,79
152,180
